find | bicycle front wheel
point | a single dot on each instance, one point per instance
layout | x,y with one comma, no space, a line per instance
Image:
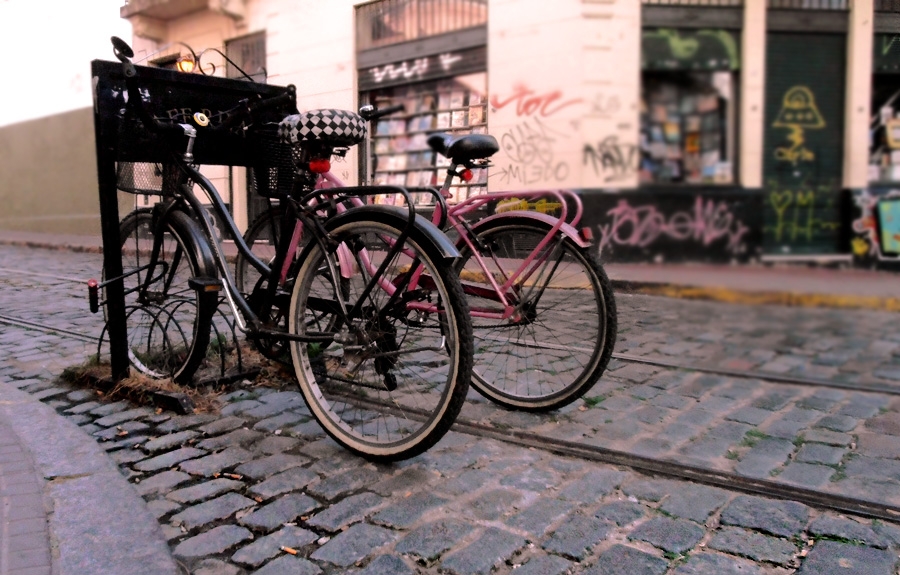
395,377
559,338
168,322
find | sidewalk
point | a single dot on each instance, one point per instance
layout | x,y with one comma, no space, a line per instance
65,508
795,285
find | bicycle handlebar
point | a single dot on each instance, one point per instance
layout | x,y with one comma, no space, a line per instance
369,112
246,109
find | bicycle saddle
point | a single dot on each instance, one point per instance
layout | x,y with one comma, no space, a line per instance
332,127
464,148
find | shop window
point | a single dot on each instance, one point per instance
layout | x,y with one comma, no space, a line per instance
399,151
884,132
884,140
687,127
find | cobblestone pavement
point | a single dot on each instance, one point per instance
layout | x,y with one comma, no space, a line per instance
231,491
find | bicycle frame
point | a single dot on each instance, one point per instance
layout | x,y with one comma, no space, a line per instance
496,292
238,304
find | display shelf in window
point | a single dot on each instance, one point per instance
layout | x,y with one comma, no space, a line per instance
454,105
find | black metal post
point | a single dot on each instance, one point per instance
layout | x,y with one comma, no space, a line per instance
107,142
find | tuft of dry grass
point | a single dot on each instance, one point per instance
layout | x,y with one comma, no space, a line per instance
206,398
139,388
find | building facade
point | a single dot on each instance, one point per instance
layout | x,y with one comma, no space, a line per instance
714,130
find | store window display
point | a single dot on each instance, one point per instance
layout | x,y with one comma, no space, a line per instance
399,151
687,127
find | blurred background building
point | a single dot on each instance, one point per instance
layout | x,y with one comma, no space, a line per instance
701,130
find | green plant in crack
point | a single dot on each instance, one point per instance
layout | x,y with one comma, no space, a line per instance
753,437
838,475
675,558
217,346
594,401
732,455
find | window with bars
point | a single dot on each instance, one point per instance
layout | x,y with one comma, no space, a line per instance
387,22
711,3
841,5
249,53
887,5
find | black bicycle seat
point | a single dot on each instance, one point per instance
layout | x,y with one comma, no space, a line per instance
464,148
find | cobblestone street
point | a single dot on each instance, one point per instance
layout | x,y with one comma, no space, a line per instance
233,491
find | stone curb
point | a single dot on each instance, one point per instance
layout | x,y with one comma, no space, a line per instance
751,297
98,523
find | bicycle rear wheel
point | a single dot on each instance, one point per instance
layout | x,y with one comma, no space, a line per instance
168,323
560,339
393,381
261,237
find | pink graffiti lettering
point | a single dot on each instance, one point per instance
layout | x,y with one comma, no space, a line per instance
528,104
708,222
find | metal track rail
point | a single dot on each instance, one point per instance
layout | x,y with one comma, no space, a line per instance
763,375
662,467
42,275
17,322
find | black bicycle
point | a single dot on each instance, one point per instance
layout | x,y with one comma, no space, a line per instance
371,309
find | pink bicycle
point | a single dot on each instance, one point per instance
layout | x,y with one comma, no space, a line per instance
543,311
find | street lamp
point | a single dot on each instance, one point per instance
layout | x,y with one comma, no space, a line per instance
185,63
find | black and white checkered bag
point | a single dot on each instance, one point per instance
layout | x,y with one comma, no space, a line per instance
332,127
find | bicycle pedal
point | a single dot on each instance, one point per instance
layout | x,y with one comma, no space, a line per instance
205,284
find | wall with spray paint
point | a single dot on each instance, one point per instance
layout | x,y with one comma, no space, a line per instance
803,152
564,118
876,227
697,225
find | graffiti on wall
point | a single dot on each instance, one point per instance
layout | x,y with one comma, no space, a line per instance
800,213
798,113
414,69
707,222
867,243
542,205
530,156
529,103
611,159
702,49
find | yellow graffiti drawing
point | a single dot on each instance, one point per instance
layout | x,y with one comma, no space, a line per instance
860,247
798,113
780,201
515,204
808,200
795,216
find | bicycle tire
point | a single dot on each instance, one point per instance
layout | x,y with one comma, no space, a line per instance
169,329
571,324
400,403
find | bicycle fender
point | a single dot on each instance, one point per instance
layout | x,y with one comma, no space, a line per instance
543,219
199,243
424,232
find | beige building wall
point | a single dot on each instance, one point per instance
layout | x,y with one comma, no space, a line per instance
858,95
48,175
311,44
564,87
753,95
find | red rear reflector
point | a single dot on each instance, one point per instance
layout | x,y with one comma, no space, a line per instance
466,175
587,233
319,165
